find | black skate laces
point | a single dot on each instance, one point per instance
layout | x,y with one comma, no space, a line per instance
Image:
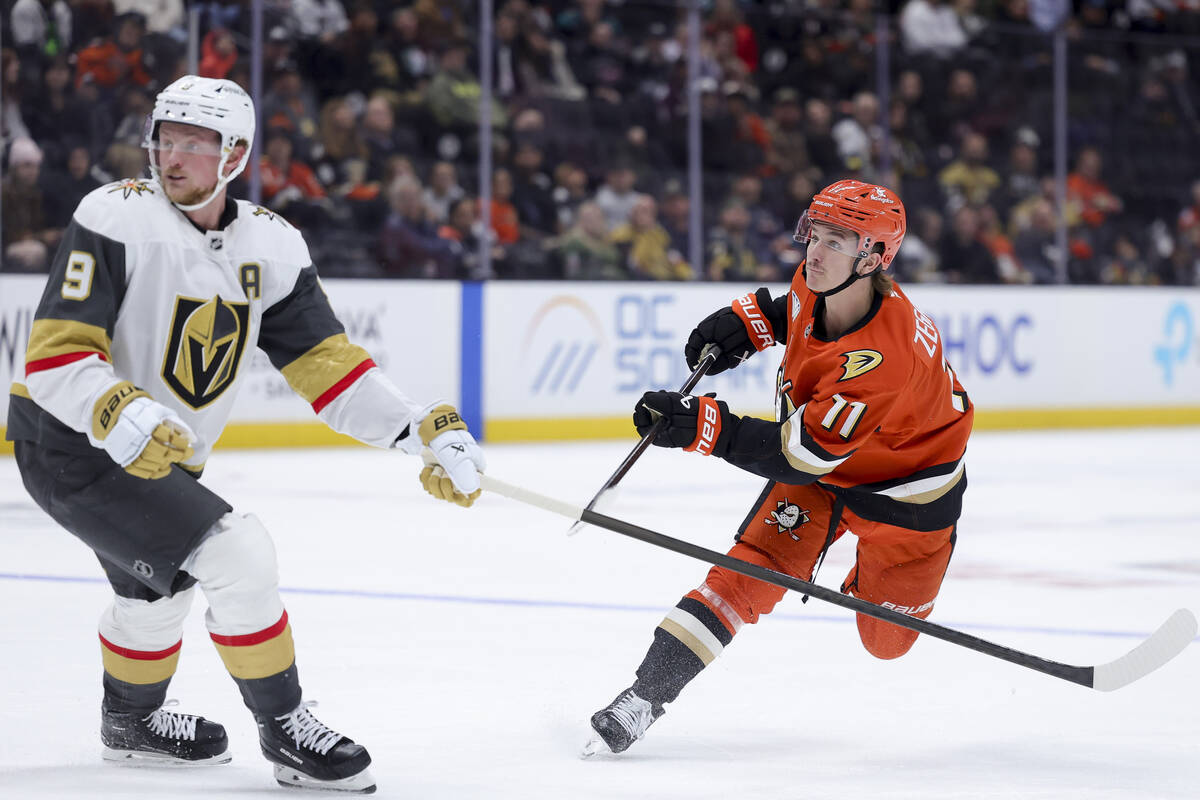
308,731
172,724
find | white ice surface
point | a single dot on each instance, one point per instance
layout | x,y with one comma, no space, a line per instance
467,648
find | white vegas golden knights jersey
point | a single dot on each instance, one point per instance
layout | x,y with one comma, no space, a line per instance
137,293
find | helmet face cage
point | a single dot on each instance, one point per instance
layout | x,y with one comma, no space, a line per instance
872,212
216,104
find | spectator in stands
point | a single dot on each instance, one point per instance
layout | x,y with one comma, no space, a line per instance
453,94
41,28
797,195
918,260
52,116
1127,265
218,53
383,136
506,225
125,157
958,110
117,59
289,186
95,117
28,239
787,149
818,131
323,20
163,17
763,227
442,192
585,251
646,246
12,123
964,255
462,232
676,218
413,61
341,138
932,28
726,18
569,193
1086,187
1021,179
409,246
728,255
290,105
62,189
749,129
532,191
857,135
439,23
968,179
616,196
1189,217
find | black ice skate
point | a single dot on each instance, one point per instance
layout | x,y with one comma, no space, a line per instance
162,738
308,755
621,723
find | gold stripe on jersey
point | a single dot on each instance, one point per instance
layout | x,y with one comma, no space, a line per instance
20,390
109,407
260,660
312,374
138,670
930,495
795,452
57,337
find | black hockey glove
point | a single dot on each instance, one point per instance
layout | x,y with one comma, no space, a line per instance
740,330
693,423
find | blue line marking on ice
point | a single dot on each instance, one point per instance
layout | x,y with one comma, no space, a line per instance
571,604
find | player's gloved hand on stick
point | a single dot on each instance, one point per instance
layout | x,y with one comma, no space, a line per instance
699,424
739,335
453,460
143,436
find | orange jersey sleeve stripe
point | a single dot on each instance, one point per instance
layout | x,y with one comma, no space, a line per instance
43,364
331,394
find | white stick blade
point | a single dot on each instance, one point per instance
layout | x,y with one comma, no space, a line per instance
1163,645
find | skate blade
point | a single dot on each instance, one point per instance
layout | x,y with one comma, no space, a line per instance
595,746
141,758
362,783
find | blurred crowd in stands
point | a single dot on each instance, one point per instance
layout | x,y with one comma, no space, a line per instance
371,126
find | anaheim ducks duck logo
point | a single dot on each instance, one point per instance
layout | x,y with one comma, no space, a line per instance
205,348
786,517
859,362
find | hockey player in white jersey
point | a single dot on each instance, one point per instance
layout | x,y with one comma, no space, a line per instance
155,299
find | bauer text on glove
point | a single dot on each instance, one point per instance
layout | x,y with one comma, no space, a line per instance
459,459
143,436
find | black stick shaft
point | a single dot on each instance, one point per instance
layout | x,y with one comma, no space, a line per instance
1083,676
709,357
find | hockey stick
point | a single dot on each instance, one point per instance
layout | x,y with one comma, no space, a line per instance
710,354
1163,645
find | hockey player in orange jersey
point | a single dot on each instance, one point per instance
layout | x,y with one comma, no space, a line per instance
871,433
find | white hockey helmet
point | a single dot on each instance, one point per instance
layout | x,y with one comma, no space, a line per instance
214,103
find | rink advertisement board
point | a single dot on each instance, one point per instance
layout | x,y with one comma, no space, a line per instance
567,359
551,360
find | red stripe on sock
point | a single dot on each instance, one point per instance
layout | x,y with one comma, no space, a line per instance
331,394
247,639
58,361
141,655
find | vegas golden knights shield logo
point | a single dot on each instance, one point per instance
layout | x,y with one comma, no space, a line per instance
205,348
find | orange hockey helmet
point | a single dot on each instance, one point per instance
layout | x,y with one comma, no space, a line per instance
875,213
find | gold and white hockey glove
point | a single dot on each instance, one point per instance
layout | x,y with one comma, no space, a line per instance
453,459
143,436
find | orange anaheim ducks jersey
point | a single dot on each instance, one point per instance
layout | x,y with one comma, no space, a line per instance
876,415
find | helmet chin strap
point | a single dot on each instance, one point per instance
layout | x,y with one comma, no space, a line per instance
222,181
854,276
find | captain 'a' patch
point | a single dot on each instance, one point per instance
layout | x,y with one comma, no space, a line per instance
787,517
859,362
205,348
